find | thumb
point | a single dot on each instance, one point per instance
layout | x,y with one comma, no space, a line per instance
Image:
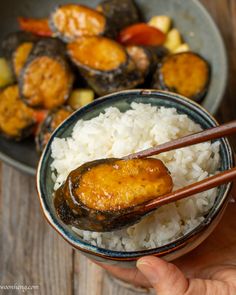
165,277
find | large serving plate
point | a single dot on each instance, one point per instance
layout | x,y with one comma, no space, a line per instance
190,17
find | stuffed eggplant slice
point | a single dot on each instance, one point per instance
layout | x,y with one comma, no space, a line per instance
17,120
46,79
144,59
105,195
16,48
119,14
104,64
50,123
185,73
71,21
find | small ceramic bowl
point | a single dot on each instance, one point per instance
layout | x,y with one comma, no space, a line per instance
123,100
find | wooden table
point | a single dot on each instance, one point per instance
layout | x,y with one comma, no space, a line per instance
31,251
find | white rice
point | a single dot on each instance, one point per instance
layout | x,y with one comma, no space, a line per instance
116,134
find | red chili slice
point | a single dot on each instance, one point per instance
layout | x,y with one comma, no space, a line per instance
141,34
36,26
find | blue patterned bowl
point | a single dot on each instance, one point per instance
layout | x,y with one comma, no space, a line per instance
123,100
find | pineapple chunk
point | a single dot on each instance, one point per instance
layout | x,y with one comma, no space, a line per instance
161,22
173,40
80,98
182,48
6,76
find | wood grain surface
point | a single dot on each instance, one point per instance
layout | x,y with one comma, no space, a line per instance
31,253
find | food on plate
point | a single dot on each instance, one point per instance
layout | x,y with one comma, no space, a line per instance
71,21
76,53
49,124
104,64
20,56
80,98
182,48
6,74
161,22
17,120
141,34
37,26
119,14
104,195
173,40
144,58
140,127
160,52
46,79
16,48
185,73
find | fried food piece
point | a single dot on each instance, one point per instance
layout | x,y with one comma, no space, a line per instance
46,79
50,123
123,184
71,21
20,56
144,58
16,48
17,120
185,73
106,195
97,53
104,64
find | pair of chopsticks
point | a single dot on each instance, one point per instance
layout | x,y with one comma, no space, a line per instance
198,187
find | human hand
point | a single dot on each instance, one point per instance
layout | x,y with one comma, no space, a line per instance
208,270
168,279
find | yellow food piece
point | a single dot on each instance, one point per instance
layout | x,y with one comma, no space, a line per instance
80,98
20,56
15,116
6,75
161,22
186,73
46,83
173,40
97,53
122,184
182,48
74,21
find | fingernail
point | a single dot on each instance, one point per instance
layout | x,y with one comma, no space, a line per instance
148,270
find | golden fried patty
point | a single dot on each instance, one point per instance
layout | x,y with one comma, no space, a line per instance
15,116
185,73
97,53
45,83
122,184
72,21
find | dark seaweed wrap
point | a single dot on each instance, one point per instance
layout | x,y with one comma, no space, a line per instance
86,218
15,39
125,77
12,42
46,128
119,14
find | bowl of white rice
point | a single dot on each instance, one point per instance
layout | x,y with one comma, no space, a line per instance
122,123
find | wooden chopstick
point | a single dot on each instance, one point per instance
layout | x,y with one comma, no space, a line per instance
209,134
195,188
